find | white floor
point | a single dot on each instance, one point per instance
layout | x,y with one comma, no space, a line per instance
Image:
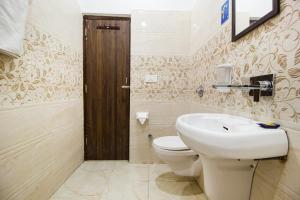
119,180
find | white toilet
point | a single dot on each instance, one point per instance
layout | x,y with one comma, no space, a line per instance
181,159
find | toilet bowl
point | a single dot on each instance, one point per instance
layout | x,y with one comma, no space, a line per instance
181,159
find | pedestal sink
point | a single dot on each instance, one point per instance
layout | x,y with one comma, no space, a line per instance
229,147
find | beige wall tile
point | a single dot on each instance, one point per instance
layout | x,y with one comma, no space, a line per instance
160,33
41,108
289,185
28,165
162,119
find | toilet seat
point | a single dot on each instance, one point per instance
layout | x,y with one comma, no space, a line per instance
170,143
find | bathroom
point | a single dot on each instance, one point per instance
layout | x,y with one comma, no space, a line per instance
150,100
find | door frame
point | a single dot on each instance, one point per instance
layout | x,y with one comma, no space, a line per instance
95,17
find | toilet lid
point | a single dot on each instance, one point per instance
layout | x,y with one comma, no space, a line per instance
173,143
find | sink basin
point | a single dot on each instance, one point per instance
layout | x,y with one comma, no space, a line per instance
231,137
229,147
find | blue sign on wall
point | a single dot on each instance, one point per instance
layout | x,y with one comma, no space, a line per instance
225,12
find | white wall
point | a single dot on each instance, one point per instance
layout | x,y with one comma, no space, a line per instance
66,23
126,6
160,33
205,21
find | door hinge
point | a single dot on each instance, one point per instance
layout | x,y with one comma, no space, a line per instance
85,88
85,140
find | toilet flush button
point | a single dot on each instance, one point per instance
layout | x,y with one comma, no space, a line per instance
151,78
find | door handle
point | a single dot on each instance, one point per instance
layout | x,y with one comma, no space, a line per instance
125,86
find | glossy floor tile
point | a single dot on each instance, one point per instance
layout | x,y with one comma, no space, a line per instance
120,180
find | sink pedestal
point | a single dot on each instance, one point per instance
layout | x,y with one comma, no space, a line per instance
226,179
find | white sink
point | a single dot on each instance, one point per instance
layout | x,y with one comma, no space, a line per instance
231,137
229,147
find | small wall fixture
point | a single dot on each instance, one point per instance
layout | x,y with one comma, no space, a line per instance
224,76
142,117
259,86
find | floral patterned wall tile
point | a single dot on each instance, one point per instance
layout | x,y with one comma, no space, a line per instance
48,71
173,73
272,48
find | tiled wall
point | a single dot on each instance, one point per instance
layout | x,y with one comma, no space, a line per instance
49,71
160,33
41,112
272,48
160,46
205,20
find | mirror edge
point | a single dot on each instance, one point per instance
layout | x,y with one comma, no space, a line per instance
275,11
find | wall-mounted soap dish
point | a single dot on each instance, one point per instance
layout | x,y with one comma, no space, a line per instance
224,76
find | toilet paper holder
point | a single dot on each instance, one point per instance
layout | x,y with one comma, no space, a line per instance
142,117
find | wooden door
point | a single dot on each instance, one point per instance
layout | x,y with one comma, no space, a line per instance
106,86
